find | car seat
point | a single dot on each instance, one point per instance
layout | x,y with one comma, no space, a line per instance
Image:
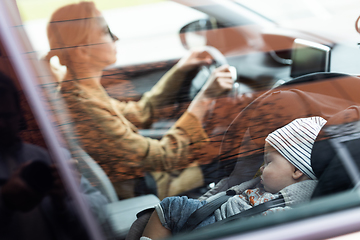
334,159
316,94
336,153
94,173
120,213
320,94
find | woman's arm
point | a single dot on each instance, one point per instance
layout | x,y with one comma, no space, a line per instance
124,154
164,92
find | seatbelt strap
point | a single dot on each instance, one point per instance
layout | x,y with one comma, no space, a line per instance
277,202
205,211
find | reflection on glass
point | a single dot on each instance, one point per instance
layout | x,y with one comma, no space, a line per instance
34,202
104,160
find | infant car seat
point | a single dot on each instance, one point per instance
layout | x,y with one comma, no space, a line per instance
317,94
336,153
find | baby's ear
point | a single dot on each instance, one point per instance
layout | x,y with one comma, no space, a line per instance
297,174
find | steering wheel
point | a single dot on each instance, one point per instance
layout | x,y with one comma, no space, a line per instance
204,72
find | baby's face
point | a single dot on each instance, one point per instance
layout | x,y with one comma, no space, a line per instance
277,172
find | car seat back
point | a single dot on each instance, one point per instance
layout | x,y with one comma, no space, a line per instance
95,174
244,139
316,94
336,154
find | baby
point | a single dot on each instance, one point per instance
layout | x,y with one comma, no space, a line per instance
286,170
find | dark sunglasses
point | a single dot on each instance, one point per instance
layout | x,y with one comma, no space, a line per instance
112,35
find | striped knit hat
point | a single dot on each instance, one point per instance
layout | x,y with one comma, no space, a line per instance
295,140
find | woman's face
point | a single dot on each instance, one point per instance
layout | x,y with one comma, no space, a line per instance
101,47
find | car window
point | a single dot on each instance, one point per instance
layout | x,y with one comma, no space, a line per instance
36,192
312,15
112,120
141,38
45,190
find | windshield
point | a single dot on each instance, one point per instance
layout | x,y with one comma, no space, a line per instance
322,15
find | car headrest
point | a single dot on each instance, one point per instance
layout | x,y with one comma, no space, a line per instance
283,106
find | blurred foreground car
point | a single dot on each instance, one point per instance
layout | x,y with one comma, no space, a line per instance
262,54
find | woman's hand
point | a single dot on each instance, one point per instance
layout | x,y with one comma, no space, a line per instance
219,82
194,59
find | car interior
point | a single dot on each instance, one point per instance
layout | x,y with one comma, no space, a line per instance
299,82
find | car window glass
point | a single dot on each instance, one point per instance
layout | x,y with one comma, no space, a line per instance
320,15
35,194
51,185
140,39
237,124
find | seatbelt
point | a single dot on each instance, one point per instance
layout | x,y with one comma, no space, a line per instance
205,211
277,202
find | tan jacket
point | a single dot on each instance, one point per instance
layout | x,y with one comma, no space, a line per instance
103,127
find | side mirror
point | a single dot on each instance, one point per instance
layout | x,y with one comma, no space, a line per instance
194,34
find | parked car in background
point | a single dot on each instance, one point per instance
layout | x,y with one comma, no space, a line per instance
269,61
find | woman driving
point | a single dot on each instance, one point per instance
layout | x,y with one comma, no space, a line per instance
107,128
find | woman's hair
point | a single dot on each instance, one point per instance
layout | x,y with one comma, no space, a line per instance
69,26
